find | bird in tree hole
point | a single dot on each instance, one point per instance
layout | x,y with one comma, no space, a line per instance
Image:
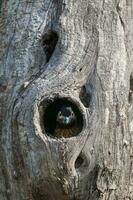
66,123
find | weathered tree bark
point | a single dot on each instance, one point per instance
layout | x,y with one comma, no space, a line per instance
81,51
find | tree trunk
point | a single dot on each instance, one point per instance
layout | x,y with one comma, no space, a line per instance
56,52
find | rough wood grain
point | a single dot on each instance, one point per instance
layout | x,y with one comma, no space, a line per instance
92,65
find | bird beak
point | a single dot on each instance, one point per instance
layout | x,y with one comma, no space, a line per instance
67,120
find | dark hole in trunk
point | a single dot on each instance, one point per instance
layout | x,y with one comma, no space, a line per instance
79,162
49,41
49,122
85,97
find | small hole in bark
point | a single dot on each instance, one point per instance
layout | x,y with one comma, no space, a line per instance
79,162
85,97
130,97
49,41
57,119
82,163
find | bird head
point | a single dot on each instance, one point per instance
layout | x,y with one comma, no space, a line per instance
65,116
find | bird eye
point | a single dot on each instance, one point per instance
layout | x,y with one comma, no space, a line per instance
72,113
60,114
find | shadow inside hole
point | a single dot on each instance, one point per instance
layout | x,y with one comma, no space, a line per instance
85,97
79,162
49,41
130,97
50,112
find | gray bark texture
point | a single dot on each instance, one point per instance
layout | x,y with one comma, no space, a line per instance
80,51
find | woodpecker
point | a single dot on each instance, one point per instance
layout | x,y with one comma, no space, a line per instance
66,123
